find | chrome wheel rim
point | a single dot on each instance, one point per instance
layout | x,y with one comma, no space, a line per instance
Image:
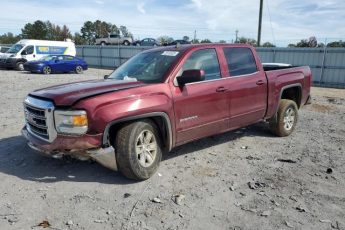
79,69
46,70
146,148
21,66
289,119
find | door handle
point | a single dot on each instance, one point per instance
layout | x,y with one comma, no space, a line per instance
260,82
221,89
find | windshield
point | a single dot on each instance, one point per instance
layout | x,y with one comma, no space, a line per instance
15,49
147,67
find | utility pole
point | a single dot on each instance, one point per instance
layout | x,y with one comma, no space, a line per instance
260,20
236,40
194,36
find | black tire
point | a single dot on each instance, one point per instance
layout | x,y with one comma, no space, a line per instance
20,66
126,43
103,44
79,69
131,158
47,70
284,122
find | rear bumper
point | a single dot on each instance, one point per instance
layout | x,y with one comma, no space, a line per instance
81,147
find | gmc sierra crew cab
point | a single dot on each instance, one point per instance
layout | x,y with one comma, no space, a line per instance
163,98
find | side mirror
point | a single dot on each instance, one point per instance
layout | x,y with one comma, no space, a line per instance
189,76
106,76
57,60
24,52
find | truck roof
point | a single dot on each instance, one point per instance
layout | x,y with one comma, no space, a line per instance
186,47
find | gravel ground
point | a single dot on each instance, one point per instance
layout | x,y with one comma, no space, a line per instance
245,179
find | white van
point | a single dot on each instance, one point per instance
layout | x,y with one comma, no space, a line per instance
31,50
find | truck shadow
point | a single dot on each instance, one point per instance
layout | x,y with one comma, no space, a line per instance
257,130
17,159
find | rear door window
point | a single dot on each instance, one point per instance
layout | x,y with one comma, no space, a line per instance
240,61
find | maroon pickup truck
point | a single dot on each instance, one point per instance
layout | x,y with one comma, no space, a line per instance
160,99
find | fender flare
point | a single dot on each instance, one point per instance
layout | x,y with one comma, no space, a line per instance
163,115
298,85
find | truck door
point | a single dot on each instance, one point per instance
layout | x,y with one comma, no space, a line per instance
248,87
29,53
201,108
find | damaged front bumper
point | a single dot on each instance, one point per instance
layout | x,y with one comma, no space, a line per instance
81,147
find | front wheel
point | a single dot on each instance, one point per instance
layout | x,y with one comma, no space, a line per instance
20,66
138,150
47,70
284,122
79,69
126,43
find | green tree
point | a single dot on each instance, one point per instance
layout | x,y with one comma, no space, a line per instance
268,44
222,41
125,32
339,43
79,40
302,43
245,40
57,33
9,38
164,40
88,32
195,41
37,30
185,38
206,40
97,29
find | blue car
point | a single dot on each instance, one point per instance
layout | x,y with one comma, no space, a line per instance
56,64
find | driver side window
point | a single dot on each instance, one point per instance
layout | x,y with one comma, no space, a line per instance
28,50
205,59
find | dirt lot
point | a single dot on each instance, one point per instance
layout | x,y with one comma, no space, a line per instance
290,186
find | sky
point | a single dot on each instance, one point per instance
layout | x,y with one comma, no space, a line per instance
284,21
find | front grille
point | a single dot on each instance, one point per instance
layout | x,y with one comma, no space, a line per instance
39,118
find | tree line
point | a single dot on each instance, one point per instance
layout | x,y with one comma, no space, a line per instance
45,30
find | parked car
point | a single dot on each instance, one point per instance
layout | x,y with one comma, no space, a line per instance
160,99
3,49
56,64
114,39
33,50
181,42
146,42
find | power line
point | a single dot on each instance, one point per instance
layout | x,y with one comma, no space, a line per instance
269,13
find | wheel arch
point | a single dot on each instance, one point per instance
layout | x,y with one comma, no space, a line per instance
161,119
292,92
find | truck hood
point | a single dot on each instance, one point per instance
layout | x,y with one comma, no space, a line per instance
68,94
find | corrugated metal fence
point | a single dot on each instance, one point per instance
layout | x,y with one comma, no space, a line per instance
327,64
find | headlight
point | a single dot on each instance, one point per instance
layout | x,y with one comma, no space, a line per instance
70,122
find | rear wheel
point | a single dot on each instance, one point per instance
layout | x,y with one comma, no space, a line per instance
126,43
20,66
284,122
138,150
47,70
103,44
79,69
